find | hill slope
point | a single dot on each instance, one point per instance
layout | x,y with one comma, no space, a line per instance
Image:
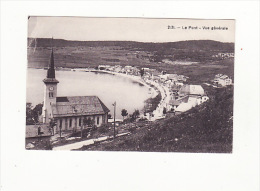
190,45
207,128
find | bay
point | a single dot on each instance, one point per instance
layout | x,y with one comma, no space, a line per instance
127,93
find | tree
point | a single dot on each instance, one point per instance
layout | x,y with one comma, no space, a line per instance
124,113
53,123
37,111
87,122
142,72
109,116
135,115
29,114
32,114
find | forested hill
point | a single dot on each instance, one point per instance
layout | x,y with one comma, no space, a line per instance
146,46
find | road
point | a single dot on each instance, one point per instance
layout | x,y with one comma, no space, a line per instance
80,144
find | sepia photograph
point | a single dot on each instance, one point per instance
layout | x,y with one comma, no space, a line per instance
160,95
130,84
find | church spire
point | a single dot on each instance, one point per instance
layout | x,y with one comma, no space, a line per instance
51,70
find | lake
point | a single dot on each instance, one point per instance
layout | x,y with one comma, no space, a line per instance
127,93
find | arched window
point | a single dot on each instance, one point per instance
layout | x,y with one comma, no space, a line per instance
97,120
70,122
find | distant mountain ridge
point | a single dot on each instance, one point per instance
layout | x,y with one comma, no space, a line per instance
149,46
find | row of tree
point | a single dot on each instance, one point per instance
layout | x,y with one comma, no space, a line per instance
133,116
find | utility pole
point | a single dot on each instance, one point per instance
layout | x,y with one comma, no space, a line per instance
114,104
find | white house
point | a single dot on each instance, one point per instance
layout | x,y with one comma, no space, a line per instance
222,80
190,96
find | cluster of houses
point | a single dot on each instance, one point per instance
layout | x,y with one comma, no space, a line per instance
224,55
222,80
131,70
182,96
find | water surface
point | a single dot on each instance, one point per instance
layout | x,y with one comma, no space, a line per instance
109,88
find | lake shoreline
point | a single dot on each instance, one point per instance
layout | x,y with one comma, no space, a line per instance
163,94
129,99
131,77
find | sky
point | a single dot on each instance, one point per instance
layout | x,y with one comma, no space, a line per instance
129,29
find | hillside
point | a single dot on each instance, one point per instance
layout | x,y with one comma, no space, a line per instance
189,45
207,128
84,54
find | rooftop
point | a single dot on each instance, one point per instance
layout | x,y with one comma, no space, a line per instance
32,130
192,90
78,105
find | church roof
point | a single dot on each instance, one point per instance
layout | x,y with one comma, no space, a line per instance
78,106
192,90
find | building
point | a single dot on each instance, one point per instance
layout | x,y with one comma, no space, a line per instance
37,136
225,55
69,112
192,90
222,80
189,97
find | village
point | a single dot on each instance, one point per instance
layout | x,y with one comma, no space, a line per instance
176,96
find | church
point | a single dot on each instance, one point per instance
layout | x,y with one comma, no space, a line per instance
70,111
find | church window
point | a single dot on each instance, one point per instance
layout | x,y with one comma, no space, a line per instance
70,122
79,121
98,120
60,123
50,94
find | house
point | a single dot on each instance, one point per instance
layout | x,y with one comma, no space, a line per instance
174,103
189,96
70,111
222,80
154,74
191,90
183,107
225,55
173,77
163,77
103,67
37,135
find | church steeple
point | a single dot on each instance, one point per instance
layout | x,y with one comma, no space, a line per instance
50,91
51,70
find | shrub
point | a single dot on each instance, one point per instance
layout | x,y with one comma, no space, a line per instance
103,129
